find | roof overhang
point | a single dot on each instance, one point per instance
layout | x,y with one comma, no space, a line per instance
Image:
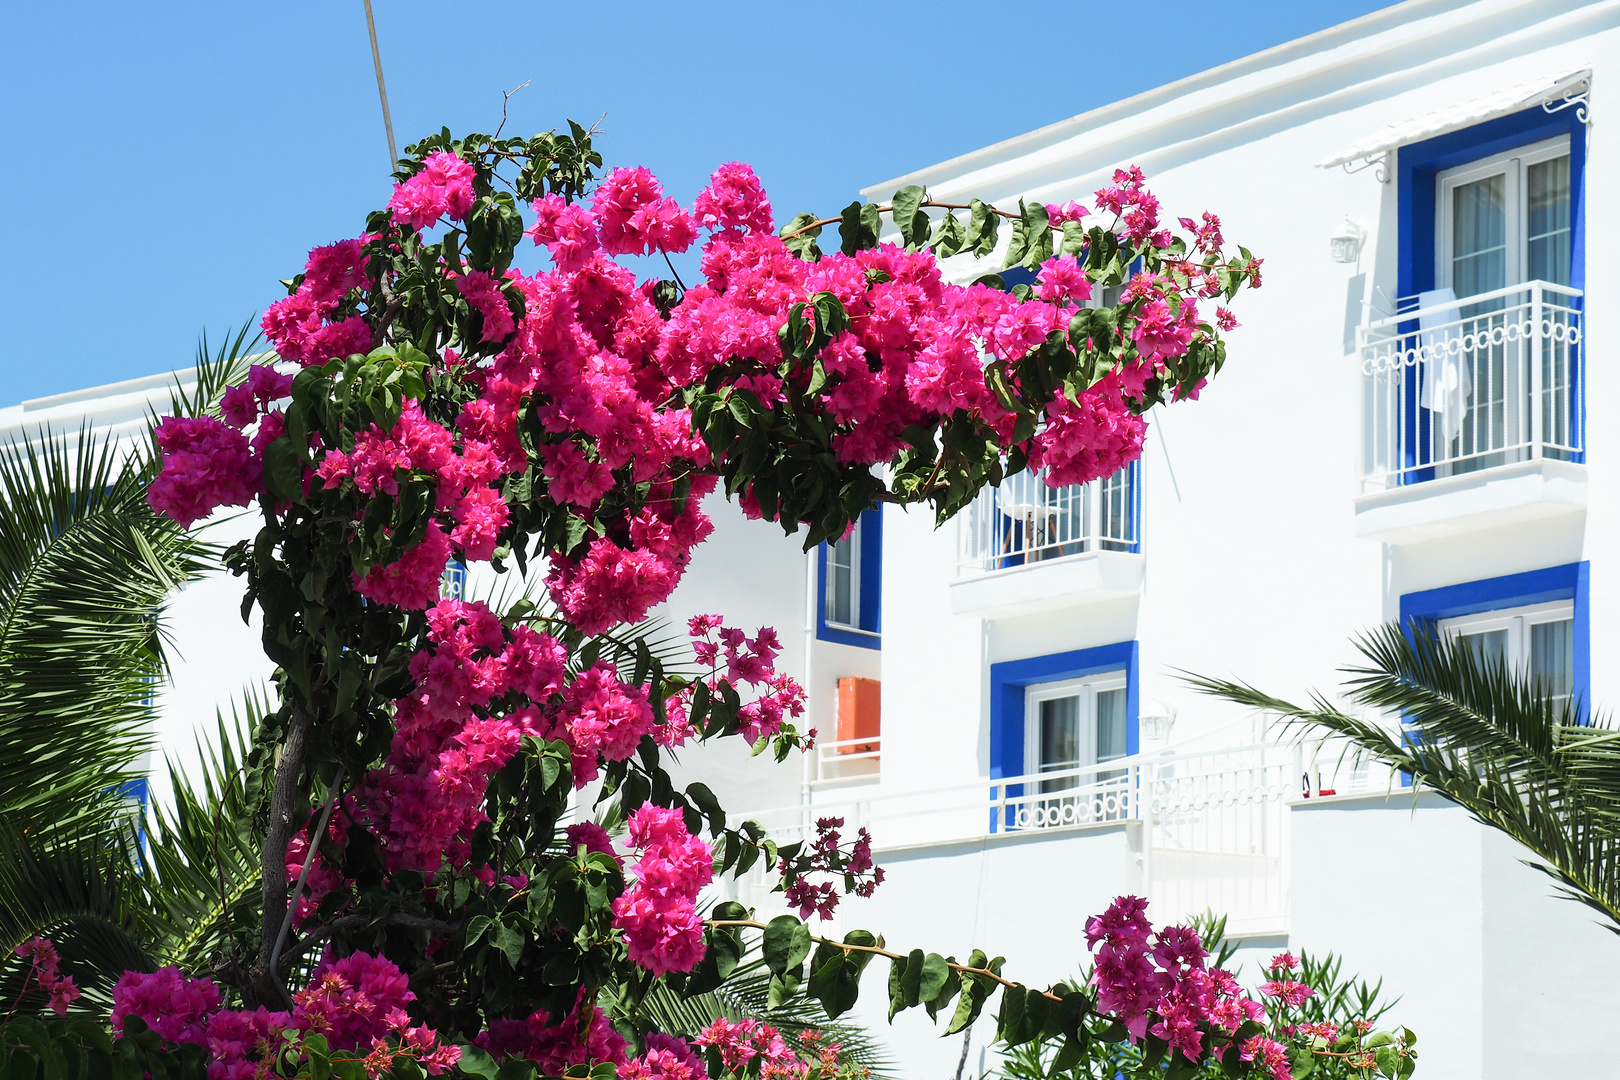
1551,93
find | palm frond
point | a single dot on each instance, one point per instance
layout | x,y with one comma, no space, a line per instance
216,370
79,889
746,994
1543,770
202,868
85,567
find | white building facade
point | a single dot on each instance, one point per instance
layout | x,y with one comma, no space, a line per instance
1410,425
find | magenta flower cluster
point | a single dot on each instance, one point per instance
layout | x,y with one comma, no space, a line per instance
575,1040
736,660
658,913
1159,983
741,1042
603,368
59,989
357,1002
481,687
825,858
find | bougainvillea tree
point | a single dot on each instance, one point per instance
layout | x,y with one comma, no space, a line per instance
423,905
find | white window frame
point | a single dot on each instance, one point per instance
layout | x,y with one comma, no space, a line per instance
1512,165
1086,688
854,543
1516,621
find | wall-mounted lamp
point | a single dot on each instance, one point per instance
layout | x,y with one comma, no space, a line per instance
1346,242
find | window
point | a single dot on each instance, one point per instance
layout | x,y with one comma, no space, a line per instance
1478,360
1537,621
1059,714
1072,725
851,590
1538,638
843,581
1505,220
453,582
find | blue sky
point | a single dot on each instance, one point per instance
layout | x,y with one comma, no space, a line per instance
167,163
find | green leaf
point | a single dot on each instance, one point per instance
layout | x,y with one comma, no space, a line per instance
726,945
786,944
1069,1055
1074,238
859,227
835,977
803,245
911,978
949,236
1009,1022
983,222
508,941
705,801
932,977
975,989
909,216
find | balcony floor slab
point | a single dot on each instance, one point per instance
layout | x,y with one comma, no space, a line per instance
1457,505
1074,581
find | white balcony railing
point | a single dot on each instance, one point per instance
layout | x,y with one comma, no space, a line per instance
1024,521
1469,384
1214,823
846,760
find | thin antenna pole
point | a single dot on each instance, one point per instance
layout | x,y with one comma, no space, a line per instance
382,91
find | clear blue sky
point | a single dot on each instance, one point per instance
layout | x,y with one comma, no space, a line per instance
166,163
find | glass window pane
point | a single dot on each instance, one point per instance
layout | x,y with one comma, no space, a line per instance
1489,647
1060,739
1548,228
1479,236
843,602
1552,656
1110,724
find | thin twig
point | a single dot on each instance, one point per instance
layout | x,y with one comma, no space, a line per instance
303,875
674,271
506,97
267,986
890,209
349,922
875,951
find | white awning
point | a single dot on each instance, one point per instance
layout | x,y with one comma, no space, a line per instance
1525,95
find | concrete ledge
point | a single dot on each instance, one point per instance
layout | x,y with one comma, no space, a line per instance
1069,582
1454,505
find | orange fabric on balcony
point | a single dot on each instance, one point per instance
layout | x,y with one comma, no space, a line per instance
859,714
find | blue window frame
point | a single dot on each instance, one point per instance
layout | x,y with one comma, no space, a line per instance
849,596
1418,170
1421,164
1011,680
1567,582
453,582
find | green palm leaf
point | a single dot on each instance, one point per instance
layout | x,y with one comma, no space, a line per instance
77,888
84,568
202,866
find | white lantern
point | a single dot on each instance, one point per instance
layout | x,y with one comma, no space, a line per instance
1346,242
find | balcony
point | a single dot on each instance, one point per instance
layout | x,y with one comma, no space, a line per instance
1026,547
1189,827
1473,414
